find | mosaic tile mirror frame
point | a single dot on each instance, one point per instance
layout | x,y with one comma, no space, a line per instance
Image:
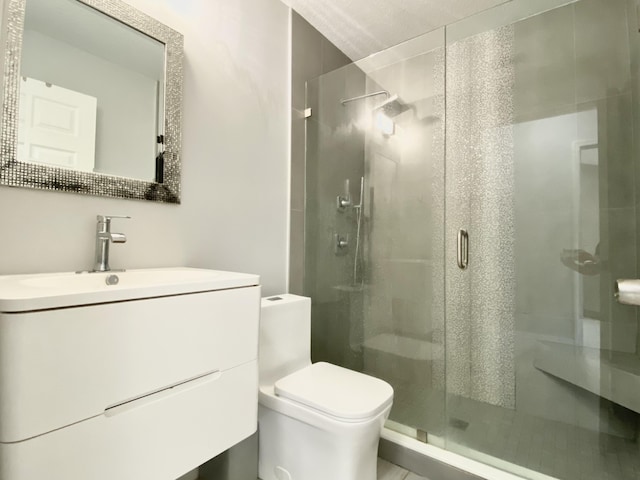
16,173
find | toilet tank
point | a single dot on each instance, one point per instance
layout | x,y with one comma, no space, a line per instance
285,336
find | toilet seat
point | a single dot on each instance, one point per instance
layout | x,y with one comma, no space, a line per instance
335,391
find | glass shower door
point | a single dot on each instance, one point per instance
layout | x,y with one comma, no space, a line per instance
541,171
375,229
521,359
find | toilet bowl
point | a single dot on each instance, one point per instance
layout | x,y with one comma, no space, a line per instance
316,421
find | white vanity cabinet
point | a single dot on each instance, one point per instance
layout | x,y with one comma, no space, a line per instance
141,387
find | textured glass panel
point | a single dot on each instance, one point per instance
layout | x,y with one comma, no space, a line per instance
480,196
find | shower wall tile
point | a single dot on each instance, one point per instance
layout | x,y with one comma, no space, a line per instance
332,58
381,177
408,80
298,148
411,298
544,223
296,252
602,67
614,120
405,209
613,125
415,175
378,307
618,123
545,285
411,318
619,255
544,62
634,26
411,279
313,95
306,60
330,111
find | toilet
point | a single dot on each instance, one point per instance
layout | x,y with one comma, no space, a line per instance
316,421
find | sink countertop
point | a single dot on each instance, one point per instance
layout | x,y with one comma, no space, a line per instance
19,293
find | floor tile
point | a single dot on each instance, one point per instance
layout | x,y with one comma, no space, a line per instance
413,476
389,471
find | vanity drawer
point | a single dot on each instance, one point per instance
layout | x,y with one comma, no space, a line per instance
160,437
58,367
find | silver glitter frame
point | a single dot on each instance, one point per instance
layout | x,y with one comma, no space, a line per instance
16,173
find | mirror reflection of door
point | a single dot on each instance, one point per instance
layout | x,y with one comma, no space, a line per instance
71,45
57,126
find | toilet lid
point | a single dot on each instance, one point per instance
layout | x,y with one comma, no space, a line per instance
336,391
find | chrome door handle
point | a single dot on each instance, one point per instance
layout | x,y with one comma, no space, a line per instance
463,249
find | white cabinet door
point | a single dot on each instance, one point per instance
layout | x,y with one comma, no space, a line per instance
57,126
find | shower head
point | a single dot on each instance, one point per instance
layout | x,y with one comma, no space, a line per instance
392,107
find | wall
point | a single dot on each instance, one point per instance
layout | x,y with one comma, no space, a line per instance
235,161
235,164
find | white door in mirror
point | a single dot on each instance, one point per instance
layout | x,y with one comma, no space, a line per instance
57,126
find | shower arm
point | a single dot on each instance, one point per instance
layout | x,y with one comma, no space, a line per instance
368,95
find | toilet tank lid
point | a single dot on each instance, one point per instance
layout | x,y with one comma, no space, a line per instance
336,391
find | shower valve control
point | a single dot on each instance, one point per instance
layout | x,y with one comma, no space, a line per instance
341,244
343,202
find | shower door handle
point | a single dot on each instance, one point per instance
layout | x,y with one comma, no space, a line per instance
463,249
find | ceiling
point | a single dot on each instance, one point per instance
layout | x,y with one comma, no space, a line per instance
362,27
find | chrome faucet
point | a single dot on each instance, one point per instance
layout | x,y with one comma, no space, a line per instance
104,237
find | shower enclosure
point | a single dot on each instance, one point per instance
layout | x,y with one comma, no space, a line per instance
475,268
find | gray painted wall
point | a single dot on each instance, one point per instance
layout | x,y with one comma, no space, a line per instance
235,170
235,161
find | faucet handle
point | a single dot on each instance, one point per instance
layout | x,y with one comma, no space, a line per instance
107,218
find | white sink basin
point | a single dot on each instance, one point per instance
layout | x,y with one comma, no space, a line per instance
54,290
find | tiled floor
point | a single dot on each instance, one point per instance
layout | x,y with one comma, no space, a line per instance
389,471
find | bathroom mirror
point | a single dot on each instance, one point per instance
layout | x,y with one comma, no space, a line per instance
91,100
